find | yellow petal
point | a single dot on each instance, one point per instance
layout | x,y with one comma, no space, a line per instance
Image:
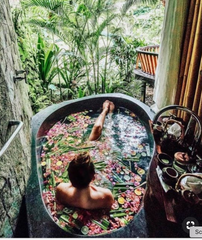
138,192
59,163
121,200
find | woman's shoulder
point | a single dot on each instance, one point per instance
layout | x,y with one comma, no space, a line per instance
103,194
63,185
62,189
63,192
101,189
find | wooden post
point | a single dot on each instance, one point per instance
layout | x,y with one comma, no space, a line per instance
198,89
138,60
189,52
184,58
143,90
200,108
195,61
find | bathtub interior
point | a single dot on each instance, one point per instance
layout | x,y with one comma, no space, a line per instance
50,117
93,103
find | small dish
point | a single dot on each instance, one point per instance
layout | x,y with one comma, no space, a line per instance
164,160
170,175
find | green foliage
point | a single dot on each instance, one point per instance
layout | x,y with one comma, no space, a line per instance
81,92
53,5
46,57
133,89
98,56
39,99
71,70
124,54
25,47
81,25
128,3
142,10
148,22
28,52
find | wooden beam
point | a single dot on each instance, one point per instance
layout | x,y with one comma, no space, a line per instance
185,59
195,60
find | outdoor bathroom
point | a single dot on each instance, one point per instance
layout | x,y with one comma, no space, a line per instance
61,63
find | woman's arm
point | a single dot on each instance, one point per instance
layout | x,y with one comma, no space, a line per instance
98,126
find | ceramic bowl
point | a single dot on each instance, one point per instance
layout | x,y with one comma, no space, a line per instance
164,160
170,175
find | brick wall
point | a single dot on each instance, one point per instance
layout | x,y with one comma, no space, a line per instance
14,105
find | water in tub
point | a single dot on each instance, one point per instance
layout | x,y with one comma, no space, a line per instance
121,157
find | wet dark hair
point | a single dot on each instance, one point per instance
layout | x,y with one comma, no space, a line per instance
81,170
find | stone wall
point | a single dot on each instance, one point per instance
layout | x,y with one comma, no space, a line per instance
14,105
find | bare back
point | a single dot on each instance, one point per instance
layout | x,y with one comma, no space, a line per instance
91,197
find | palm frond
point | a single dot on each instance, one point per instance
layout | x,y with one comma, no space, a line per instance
68,21
96,34
53,5
48,26
52,74
129,3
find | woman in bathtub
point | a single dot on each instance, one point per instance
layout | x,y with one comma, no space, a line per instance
79,192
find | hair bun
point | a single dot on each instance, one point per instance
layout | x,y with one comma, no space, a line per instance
83,158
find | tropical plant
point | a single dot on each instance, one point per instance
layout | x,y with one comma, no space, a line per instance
46,60
124,54
81,28
81,47
71,70
149,20
92,18
128,3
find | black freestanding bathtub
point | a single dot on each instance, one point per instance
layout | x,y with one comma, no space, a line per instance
40,223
